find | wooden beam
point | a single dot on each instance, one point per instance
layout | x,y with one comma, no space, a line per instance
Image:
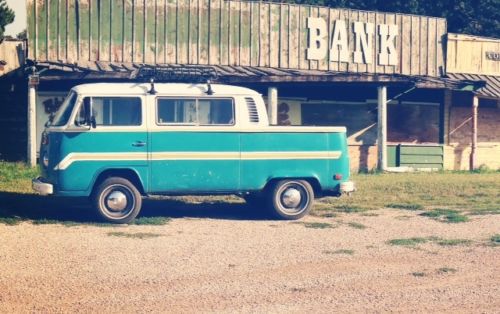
272,105
382,128
475,105
31,156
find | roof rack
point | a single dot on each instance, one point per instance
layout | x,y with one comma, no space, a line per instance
185,74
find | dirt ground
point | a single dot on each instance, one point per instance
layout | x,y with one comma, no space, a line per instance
212,261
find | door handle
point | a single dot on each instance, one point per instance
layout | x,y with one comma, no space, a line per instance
139,144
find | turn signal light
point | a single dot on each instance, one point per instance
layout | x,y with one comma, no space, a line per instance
337,177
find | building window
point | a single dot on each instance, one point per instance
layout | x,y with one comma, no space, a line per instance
413,123
359,118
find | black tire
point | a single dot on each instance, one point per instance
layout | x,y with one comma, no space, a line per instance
291,199
126,200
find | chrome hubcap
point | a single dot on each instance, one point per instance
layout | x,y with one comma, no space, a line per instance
291,198
116,201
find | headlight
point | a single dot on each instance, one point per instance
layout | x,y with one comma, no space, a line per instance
45,160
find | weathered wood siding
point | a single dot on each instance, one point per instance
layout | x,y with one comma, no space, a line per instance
218,32
13,53
468,54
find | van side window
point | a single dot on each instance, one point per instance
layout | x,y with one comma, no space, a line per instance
115,111
195,111
182,111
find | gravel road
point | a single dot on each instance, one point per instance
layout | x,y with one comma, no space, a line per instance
224,264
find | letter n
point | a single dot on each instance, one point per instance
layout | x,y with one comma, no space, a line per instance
363,33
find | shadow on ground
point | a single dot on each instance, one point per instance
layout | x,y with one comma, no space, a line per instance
59,209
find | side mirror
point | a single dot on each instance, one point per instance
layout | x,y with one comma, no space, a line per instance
89,117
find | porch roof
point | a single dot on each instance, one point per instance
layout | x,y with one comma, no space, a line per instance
232,74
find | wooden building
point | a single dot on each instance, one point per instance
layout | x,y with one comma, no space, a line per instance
473,58
13,107
383,75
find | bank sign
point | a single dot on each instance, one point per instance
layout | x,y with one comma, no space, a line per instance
333,42
237,33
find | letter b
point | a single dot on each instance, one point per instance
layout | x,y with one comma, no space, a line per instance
317,45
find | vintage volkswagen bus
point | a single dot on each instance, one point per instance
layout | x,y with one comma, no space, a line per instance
118,143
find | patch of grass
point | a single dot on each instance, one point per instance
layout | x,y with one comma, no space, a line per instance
405,206
10,221
298,289
341,251
369,214
155,221
446,270
411,242
446,215
456,218
456,190
16,177
408,242
418,274
403,217
453,242
56,222
495,240
356,225
317,225
350,209
486,211
139,235
329,215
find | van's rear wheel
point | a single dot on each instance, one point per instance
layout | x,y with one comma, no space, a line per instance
291,199
117,200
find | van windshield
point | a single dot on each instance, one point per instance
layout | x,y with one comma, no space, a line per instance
63,114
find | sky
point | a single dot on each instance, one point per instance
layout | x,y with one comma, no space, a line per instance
19,24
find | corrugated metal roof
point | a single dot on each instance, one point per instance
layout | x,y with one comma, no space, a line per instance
490,90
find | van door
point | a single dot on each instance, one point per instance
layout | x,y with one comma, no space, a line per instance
195,146
118,141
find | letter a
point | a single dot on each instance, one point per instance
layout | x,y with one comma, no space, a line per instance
339,51
317,47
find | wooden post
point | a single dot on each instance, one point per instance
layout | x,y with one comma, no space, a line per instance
475,105
382,127
272,105
444,129
31,151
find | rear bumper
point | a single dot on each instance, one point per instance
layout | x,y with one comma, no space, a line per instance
347,187
42,187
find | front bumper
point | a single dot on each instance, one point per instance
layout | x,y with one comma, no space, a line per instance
41,187
347,187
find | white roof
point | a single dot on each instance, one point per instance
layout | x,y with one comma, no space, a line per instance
174,89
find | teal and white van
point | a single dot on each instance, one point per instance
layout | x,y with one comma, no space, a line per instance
118,143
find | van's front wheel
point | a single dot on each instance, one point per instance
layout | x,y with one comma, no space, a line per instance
291,199
117,200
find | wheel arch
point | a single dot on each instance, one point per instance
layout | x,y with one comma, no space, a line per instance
312,180
126,173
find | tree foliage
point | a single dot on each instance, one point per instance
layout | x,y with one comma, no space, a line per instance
475,17
6,17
